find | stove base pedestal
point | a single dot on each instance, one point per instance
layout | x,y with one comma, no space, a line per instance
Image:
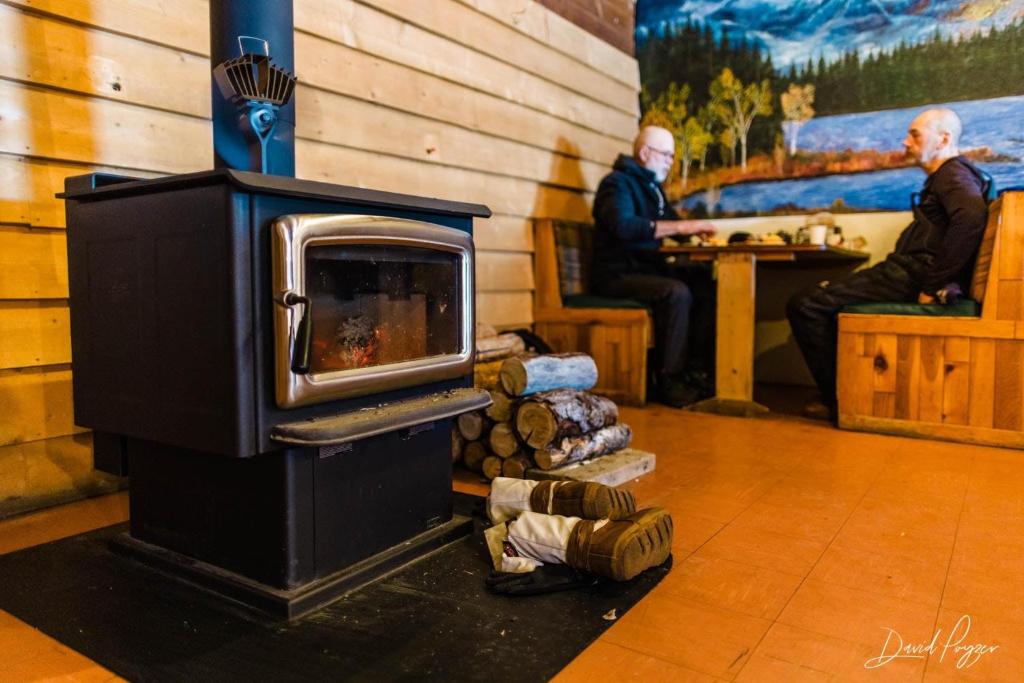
295,602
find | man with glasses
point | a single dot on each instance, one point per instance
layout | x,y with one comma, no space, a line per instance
933,260
632,215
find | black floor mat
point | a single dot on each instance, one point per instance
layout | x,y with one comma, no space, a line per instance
432,620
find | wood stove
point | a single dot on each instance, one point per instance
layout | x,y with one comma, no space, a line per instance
277,364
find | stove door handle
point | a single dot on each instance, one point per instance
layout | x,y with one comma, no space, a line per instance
303,340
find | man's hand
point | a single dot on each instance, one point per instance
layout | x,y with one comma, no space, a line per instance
923,298
669,228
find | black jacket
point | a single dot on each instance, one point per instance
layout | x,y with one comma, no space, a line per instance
949,222
628,200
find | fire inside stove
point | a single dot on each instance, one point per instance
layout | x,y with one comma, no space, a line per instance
374,305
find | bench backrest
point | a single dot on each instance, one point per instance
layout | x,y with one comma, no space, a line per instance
998,281
563,254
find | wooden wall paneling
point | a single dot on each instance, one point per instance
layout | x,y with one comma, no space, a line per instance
1008,384
466,26
182,24
36,404
503,270
350,122
48,472
503,233
330,66
34,333
33,264
983,377
47,51
392,38
317,161
505,309
58,125
548,28
931,382
908,377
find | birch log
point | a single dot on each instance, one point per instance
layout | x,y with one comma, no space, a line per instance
546,417
584,447
526,375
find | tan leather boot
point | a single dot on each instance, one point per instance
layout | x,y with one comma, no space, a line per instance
620,550
586,499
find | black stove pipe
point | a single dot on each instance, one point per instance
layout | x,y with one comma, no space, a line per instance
265,20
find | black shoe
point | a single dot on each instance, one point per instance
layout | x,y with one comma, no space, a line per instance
676,393
816,410
701,380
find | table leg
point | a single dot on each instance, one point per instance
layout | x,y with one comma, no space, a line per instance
734,339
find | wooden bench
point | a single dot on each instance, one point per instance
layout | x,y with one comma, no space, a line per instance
616,332
954,378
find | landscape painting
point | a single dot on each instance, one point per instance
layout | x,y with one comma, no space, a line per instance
793,106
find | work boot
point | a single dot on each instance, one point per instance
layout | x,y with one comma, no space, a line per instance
586,499
619,550
674,392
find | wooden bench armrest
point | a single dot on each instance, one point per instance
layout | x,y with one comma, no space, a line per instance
931,326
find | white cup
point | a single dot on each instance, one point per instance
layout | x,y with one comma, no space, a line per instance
816,234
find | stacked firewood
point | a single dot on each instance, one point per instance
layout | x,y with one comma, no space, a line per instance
541,416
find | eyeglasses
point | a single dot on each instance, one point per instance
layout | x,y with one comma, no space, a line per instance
668,155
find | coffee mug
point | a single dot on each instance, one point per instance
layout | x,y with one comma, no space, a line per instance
816,234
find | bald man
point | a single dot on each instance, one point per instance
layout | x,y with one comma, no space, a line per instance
632,214
933,260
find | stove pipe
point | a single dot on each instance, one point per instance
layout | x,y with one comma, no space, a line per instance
264,20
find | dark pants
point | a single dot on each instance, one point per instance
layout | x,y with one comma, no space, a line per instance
683,304
813,313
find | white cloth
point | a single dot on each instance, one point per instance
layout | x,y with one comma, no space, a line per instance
537,539
508,498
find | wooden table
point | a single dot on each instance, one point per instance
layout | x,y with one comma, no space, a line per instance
734,336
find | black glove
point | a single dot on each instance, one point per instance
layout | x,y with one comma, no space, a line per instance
547,578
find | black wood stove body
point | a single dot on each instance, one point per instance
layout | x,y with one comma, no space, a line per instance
276,364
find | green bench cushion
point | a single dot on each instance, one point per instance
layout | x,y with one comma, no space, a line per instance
592,301
965,308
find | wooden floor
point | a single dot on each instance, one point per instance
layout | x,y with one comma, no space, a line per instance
797,548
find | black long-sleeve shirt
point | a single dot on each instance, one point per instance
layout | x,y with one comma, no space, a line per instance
953,202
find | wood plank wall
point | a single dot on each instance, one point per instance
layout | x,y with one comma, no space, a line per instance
501,102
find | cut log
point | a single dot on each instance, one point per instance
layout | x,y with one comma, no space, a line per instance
458,443
475,425
501,407
485,331
584,447
486,375
543,418
503,440
473,456
516,466
502,346
526,375
492,466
